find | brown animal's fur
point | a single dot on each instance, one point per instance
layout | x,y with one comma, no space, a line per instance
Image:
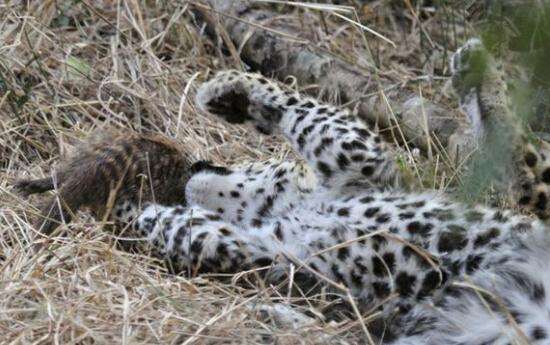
138,167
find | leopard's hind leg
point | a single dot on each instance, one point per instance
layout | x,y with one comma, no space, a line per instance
522,161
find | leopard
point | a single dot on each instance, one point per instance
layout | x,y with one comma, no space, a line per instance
438,270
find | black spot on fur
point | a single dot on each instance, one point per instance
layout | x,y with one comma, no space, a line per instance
356,278
195,222
343,253
542,201
301,141
270,114
538,333
530,159
407,252
279,232
443,215
522,227
381,289
342,130
266,207
149,223
526,186
363,133
367,170
279,186
262,262
225,231
324,169
517,315
343,212
213,217
357,157
499,217
221,250
428,214
370,212
406,215
415,205
196,246
538,293
473,262
383,218
454,239
291,101
456,267
337,275
366,199
280,173
378,241
417,228
486,237
524,200
342,161
378,267
474,216
546,176
234,194
297,122
180,234
405,283
429,284
325,142
354,145
307,130
389,259
359,263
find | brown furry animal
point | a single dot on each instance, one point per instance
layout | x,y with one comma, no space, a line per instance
108,169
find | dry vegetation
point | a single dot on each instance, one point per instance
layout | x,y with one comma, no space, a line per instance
69,69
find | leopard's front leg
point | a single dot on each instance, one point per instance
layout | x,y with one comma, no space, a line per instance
339,147
197,240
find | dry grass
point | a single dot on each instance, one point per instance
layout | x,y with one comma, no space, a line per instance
72,68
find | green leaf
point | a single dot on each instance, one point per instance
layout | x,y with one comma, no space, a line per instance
77,68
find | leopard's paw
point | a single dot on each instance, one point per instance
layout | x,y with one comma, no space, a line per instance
239,97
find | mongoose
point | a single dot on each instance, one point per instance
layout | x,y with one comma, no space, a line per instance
135,167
